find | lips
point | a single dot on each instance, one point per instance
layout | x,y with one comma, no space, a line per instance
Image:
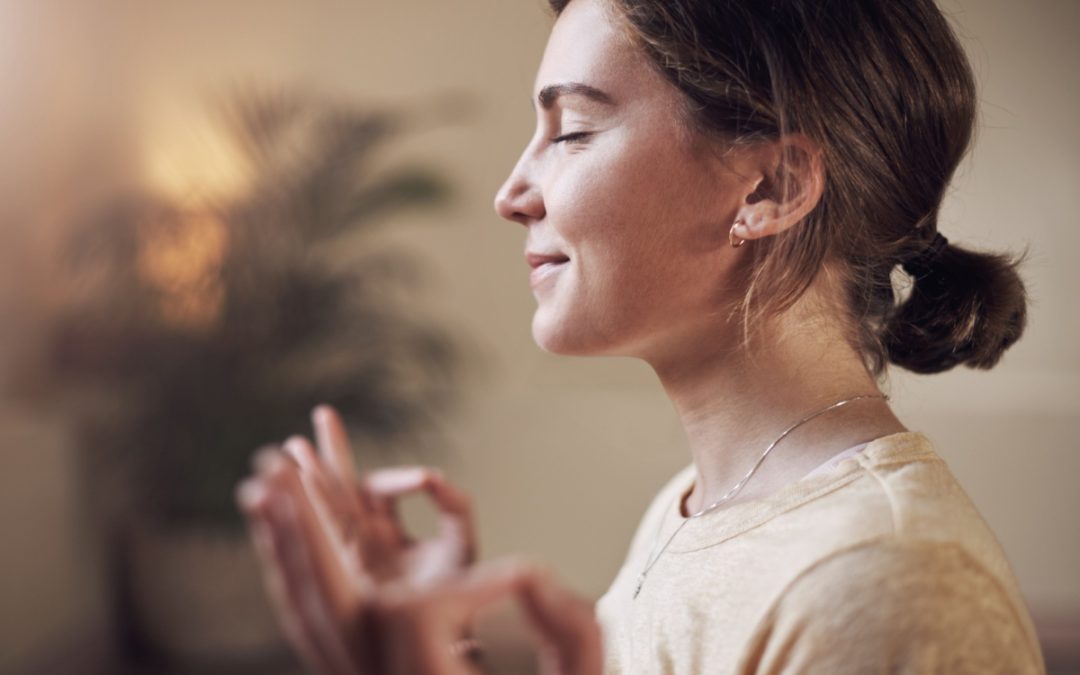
537,259
544,266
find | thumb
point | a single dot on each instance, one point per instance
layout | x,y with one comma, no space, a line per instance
565,622
487,583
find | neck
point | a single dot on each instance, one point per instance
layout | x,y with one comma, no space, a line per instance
733,405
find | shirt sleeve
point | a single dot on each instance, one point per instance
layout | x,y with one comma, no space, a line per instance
894,607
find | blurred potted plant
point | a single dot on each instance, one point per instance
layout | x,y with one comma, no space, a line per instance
200,333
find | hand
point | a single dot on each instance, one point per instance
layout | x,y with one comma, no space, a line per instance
398,628
353,539
417,627
360,516
320,607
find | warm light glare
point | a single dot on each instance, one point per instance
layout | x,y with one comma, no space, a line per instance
187,158
184,264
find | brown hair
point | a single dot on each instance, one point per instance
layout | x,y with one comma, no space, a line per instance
886,91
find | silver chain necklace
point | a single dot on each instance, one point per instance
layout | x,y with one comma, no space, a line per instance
651,560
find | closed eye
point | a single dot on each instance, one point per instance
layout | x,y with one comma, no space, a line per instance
574,137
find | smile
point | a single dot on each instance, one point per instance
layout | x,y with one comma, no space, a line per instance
544,267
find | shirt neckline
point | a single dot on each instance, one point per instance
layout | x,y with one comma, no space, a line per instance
716,527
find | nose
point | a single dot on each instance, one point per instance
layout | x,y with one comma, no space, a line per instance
519,199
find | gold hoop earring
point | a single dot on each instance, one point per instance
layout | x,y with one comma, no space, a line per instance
733,238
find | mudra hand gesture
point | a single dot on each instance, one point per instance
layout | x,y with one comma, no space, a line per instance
356,595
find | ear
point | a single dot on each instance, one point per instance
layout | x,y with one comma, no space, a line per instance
788,180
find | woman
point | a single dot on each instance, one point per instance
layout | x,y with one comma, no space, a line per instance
727,190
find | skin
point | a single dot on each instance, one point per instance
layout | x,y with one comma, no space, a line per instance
640,209
356,595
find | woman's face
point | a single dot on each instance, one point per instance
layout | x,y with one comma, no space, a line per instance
633,223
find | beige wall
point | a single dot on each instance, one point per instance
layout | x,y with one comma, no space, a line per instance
563,454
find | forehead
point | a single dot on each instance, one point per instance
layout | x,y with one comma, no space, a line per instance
587,45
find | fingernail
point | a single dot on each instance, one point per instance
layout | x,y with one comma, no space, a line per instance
274,463
397,479
294,445
251,494
302,456
295,455
265,458
321,414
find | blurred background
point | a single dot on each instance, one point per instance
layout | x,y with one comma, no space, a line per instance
215,215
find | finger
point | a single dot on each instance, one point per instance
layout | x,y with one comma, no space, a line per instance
309,592
252,497
344,509
323,554
455,508
381,489
287,614
263,456
458,599
369,544
426,623
306,581
333,442
349,528
483,585
565,622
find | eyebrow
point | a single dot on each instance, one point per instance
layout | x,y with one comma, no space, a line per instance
551,93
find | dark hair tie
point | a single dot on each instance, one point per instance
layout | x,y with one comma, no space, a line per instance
921,264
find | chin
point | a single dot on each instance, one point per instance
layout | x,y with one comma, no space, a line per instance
558,335
553,339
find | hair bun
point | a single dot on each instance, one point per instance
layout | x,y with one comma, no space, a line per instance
921,264
965,307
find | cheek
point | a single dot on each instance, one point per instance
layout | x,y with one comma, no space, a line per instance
605,199
632,215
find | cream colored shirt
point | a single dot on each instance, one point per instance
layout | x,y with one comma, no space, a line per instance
878,564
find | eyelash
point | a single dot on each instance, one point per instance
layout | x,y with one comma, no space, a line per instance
575,137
